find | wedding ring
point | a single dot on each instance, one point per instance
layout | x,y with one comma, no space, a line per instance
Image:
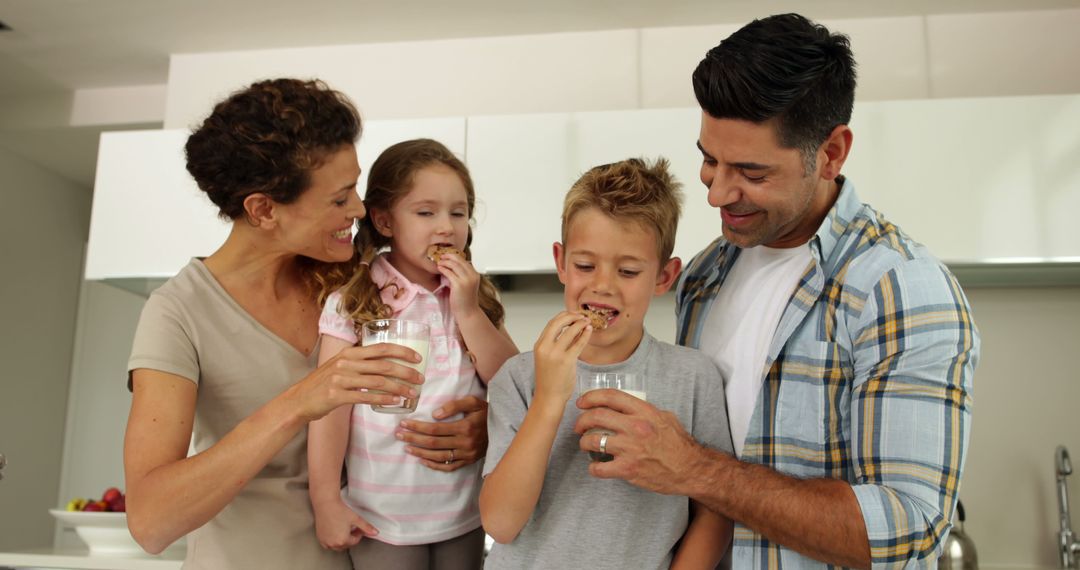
451,460
603,443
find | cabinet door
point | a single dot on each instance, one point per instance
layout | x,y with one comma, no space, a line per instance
522,167
604,137
976,180
148,216
379,135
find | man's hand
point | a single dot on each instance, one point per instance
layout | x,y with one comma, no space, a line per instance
652,449
449,446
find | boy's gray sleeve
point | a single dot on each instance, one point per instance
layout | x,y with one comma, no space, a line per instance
710,422
506,409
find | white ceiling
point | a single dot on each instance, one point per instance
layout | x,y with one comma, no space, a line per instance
68,44
57,46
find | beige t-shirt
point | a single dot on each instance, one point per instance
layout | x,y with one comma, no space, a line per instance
191,327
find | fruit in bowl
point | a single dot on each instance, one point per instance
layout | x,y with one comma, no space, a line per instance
102,525
112,501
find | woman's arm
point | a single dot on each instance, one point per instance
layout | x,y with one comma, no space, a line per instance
336,525
705,541
169,494
510,492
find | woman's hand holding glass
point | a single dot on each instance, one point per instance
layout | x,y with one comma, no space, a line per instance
350,377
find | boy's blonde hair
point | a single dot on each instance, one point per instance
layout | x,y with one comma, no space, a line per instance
630,190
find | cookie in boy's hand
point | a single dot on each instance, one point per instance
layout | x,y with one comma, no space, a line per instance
435,252
598,316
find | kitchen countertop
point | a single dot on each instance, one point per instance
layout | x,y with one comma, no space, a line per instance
80,558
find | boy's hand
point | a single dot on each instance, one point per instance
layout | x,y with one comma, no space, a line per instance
338,527
464,284
556,353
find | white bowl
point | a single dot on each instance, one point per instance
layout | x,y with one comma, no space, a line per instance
107,533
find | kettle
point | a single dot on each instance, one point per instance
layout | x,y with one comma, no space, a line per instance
959,551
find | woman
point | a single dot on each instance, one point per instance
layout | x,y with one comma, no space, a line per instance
224,354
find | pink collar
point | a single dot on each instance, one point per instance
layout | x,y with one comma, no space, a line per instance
400,296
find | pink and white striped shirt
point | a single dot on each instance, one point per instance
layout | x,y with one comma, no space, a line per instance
408,502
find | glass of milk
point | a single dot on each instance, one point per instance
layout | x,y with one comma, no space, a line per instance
413,334
624,381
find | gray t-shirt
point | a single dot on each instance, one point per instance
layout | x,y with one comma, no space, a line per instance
192,328
584,522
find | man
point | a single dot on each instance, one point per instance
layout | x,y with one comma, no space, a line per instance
847,348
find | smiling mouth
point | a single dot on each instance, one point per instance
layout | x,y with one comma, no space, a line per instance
343,234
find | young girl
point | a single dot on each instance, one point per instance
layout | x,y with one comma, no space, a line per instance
406,507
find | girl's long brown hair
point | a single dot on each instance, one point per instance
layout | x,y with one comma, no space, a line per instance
390,179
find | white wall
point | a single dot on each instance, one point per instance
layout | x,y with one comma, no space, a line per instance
43,225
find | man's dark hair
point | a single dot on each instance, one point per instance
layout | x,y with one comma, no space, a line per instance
783,67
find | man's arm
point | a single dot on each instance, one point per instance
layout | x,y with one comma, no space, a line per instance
819,517
914,348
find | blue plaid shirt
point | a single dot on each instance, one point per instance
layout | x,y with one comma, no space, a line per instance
868,380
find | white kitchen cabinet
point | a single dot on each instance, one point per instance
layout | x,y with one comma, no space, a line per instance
149,218
522,166
671,133
378,135
976,180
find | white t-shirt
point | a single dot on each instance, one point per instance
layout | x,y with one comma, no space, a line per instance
742,321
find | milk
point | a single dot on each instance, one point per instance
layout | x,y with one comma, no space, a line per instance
421,347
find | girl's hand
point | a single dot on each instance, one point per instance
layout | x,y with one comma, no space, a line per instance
351,376
464,285
338,527
433,442
556,353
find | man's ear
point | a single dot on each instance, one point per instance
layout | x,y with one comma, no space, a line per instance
667,276
560,256
260,211
381,220
835,150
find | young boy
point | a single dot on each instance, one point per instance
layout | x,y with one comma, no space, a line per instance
538,500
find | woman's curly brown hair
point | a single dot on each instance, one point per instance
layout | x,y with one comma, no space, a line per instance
389,180
267,139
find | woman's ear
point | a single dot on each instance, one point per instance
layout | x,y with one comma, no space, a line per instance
259,211
381,220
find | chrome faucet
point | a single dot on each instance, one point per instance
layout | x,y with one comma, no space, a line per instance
1068,546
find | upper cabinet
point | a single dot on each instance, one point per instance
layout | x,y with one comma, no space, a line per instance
523,165
976,180
149,218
